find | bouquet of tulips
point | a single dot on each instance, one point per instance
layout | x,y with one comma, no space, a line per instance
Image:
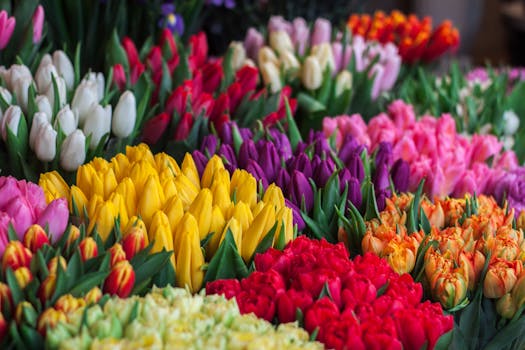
358,304
309,61
190,322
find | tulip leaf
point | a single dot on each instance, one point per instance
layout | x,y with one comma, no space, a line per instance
88,281
281,240
469,321
424,224
15,336
419,266
371,210
293,131
62,284
206,240
56,99
151,265
266,243
165,276
313,336
115,52
165,83
226,263
325,292
413,210
227,68
16,292
314,227
141,256
41,265
11,233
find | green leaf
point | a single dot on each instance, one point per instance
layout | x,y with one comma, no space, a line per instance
87,282
226,263
11,233
293,130
116,53
265,243
325,292
16,291
151,266
507,335
371,210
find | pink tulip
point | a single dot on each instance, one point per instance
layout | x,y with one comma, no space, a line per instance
34,194
7,26
419,170
300,35
56,216
356,126
330,127
506,161
8,191
3,242
253,43
322,32
392,64
402,114
405,149
278,23
376,73
21,215
483,147
38,23
381,129
359,48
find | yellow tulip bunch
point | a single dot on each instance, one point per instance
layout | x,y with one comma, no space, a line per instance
175,206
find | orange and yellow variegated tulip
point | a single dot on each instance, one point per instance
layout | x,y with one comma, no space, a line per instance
449,288
201,209
372,244
88,248
52,265
261,225
117,254
93,296
135,222
189,169
47,288
472,264
520,223
16,255
501,277
437,262
213,166
400,255
68,303
188,254
503,247
134,241
35,237
49,319
449,239
23,276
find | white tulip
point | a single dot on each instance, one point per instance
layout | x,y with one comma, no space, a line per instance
325,56
280,41
45,142
289,62
73,151
98,79
238,55
125,115
44,106
84,98
67,120
6,95
39,119
17,72
98,124
267,55
511,122
44,77
64,68
271,76
46,59
11,120
62,92
21,89
311,75
343,82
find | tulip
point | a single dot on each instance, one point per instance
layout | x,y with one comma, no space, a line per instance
11,121
62,92
97,125
44,76
271,76
84,98
93,296
98,79
18,72
49,319
284,219
449,288
189,169
189,256
69,304
47,288
38,23
247,151
343,82
238,55
64,68
7,26
255,169
506,306
21,90
501,277
35,237
73,151
235,228
117,254
16,256
45,142
355,166
23,276
43,105
6,297
88,248
244,186
325,56
262,223
151,199
217,227
6,95
312,75
253,42
280,41
74,235
125,115
155,127
201,209
67,120
3,323
52,265
301,191
322,31
134,241
54,186
242,213
120,280
214,165
160,233
25,313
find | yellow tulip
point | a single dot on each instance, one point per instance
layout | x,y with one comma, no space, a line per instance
274,195
242,213
222,178
80,200
214,164
164,161
244,185
109,182
257,208
100,164
94,203
139,152
201,209
174,210
217,227
139,174
189,169
168,187
235,227
120,165
84,179
150,199
160,233
135,222
189,257
186,190
120,204
260,226
104,219
284,219
126,189
221,196
54,186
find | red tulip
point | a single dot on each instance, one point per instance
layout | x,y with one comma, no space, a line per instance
155,127
133,242
247,77
119,76
117,254
229,288
212,75
199,50
290,301
184,127
120,280
88,248
35,238
131,51
3,327
167,41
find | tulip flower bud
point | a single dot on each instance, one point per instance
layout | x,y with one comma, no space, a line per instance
137,222
262,223
449,288
35,237
300,191
16,256
186,191
67,120
253,42
189,256
284,219
275,196
39,119
6,95
125,115
511,122
74,234
104,219
235,228
151,199
52,265
97,124
238,55
290,63
242,213
38,23
117,254
23,276
271,77
120,280
62,92
325,56
88,248
267,55
160,233
280,41
47,288
244,186
68,303
44,76
501,277
98,79
64,68
321,32
84,98
11,121
45,142
506,306
6,297
43,105
201,209
311,74
93,296
25,313
189,169
49,319
212,167
134,241
343,82
3,326
217,226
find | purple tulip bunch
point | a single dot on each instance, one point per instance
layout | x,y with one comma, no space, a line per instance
303,171
23,204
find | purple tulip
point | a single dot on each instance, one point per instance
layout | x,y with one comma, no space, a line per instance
300,190
322,172
300,35
297,218
303,164
225,134
283,179
227,153
246,134
200,161
282,143
300,148
278,23
56,217
253,42
355,165
269,160
381,197
349,146
341,62
354,192
384,154
320,143
209,145
344,177
247,152
257,172
380,178
400,173
322,31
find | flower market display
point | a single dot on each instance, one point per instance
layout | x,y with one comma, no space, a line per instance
307,181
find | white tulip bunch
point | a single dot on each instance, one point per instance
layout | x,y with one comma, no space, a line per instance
61,120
